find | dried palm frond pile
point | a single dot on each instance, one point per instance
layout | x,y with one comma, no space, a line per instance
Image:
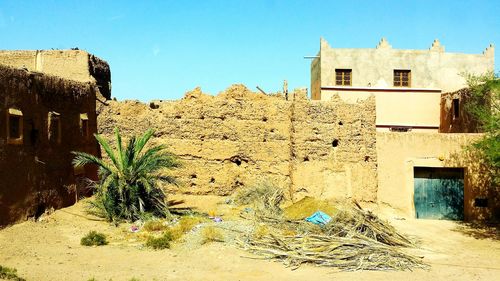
340,252
354,239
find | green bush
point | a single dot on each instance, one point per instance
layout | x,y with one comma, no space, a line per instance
8,273
94,238
159,243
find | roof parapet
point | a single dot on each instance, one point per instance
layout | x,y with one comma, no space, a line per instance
436,46
383,44
489,51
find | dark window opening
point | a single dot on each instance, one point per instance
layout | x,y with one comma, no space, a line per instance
456,108
481,202
84,125
55,127
14,126
402,78
343,77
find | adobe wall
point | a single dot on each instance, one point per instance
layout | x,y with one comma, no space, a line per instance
36,173
464,122
399,153
239,138
77,65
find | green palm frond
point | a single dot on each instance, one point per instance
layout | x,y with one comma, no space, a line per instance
119,148
141,142
107,148
81,159
128,183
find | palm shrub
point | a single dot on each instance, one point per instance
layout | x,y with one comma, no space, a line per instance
128,182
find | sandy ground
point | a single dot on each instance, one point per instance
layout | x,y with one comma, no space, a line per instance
50,250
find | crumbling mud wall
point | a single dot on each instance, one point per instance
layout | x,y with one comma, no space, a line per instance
454,116
241,138
76,65
42,119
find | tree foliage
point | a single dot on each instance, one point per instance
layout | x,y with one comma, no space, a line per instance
484,105
128,182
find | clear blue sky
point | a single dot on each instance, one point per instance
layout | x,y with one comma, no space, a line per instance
160,49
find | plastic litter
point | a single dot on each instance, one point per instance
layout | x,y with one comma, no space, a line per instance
216,219
319,218
134,228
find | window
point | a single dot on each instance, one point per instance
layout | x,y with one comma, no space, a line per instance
343,77
54,127
84,125
402,78
14,126
456,108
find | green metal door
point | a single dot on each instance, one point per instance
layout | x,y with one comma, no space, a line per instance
439,193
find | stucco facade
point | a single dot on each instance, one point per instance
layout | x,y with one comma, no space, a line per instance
372,71
419,101
399,153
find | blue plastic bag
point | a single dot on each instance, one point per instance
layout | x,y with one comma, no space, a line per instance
319,218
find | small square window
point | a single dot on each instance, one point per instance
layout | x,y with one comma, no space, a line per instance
402,78
14,126
343,77
54,127
84,125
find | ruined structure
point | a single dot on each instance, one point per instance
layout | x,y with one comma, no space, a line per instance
419,96
42,119
77,65
241,138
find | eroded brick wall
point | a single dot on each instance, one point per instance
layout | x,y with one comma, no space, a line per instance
36,173
240,138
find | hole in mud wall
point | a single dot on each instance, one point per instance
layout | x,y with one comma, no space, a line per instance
238,183
212,180
273,130
202,117
177,117
223,118
40,210
202,138
335,143
340,123
306,159
193,184
153,105
264,140
193,176
264,119
238,160
367,158
224,137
